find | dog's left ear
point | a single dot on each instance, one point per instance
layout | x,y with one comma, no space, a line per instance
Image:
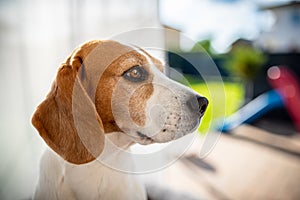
67,119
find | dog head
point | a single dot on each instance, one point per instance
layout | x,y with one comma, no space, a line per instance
106,87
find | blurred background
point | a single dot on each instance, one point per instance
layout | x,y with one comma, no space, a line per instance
243,39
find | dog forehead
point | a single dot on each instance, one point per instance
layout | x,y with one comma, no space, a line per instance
112,57
135,57
126,61
98,55
106,53
103,53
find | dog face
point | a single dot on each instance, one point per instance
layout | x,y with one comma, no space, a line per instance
106,87
146,104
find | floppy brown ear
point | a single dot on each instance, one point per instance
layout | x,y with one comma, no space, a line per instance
67,119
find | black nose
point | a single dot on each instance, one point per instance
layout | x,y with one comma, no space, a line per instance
198,103
202,103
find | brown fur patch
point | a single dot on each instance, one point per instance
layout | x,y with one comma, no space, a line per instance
138,102
55,122
54,117
107,84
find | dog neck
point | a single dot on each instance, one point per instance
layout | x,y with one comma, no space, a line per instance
97,179
116,153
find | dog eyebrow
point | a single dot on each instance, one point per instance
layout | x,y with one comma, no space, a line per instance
156,62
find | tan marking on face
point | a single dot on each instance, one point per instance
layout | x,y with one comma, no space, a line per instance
108,82
138,102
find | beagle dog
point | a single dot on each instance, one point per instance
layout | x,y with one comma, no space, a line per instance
106,97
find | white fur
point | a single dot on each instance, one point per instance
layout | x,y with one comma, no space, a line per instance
62,180
168,116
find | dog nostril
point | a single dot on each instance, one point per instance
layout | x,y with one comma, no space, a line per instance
203,103
203,109
197,103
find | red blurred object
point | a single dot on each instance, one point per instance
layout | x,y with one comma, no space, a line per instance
285,82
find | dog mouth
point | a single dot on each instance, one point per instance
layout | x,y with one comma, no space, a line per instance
143,139
172,130
143,136
175,127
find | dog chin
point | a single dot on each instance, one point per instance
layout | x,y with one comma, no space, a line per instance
143,139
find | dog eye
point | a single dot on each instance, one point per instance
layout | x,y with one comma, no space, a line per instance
136,74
